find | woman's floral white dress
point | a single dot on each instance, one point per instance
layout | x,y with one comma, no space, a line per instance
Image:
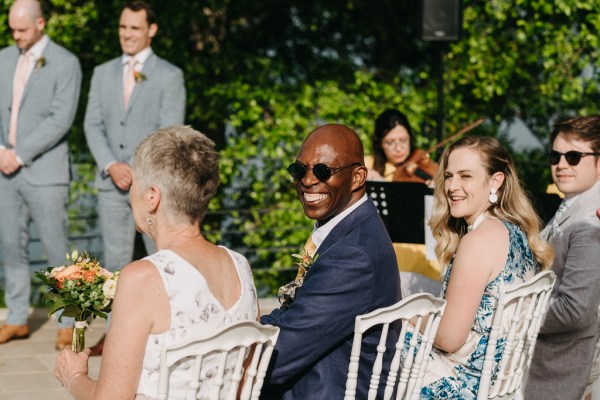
456,375
194,312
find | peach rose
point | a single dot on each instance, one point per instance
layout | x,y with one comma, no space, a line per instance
70,272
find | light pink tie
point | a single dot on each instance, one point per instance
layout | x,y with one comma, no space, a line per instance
129,81
19,82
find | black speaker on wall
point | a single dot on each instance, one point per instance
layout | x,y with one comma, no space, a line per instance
441,20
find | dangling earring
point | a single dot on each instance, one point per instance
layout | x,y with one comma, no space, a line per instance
493,196
149,221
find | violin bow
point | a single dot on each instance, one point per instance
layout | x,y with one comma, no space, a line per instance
457,134
464,130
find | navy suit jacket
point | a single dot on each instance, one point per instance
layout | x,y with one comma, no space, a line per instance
356,272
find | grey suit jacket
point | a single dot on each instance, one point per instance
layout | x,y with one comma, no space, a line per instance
565,346
46,113
156,102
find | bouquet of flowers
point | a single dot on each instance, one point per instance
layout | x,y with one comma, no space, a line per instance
82,289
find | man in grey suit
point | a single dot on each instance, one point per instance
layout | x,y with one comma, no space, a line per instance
39,92
113,129
130,97
565,346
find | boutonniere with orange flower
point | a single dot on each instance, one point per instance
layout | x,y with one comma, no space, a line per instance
82,289
138,76
306,261
287,293
40,62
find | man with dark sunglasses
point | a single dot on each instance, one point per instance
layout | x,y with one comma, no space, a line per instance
565,346
354,272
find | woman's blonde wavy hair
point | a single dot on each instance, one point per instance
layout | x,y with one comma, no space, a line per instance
513,204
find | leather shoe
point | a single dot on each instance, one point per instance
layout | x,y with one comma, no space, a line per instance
13,332
64,338
97,349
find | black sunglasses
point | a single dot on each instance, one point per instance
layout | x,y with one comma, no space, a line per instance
321,171
573,157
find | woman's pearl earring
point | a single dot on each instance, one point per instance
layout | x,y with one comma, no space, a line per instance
493,196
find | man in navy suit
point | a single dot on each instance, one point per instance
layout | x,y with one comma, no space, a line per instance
39,92
355,272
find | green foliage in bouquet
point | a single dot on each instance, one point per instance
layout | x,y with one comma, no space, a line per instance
82,288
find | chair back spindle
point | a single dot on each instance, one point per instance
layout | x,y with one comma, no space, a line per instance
238,355
409,361
515,326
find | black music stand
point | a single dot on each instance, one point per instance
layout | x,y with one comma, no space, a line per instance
401,206
546,205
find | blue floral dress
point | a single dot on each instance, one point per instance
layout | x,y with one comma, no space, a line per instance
456,375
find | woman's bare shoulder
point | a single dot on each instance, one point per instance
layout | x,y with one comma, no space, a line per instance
487,233
138,271
484,249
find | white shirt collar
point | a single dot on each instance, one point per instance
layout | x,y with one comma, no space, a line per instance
571,200
320,233
140,57
38,49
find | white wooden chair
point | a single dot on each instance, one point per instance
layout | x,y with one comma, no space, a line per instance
593,386
516,323
408,364
219,363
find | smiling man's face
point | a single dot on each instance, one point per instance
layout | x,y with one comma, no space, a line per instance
333,146
574,179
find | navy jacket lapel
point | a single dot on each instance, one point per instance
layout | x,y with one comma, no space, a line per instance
362,212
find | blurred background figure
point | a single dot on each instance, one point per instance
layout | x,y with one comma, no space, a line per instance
130,97
394,155
395,159
39,92
392,144
189,287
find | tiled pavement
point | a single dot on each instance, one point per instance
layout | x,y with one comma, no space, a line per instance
26,365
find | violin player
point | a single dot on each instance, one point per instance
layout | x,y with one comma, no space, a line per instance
394,155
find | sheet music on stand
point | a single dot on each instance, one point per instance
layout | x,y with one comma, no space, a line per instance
401,206
405,207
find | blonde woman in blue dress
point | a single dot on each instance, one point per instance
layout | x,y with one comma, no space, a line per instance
487,235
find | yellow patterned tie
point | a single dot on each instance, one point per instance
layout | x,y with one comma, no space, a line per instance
287,293
309,249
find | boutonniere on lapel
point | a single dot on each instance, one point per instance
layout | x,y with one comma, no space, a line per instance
40,63
287,293
138,76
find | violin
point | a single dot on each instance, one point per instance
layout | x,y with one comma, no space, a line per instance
419,167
